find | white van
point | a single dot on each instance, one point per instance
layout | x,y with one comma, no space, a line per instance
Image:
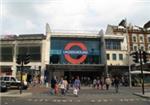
13,82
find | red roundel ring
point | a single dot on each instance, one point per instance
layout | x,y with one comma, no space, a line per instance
72,60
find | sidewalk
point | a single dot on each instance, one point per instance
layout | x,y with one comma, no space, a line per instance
31,91
146,95
44,91
15,93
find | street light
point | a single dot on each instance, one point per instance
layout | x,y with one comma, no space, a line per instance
22,59
135,56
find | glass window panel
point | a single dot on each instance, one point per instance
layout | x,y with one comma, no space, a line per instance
6,54
93,49
134,39
120,56
34,52
108,57
113,44
114,57
141,38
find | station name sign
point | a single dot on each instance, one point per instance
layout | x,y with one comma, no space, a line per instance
67,52
79,52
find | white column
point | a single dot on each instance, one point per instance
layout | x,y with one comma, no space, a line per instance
14,68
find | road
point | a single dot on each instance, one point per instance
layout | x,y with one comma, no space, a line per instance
86,97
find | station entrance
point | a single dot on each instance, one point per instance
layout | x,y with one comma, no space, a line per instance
70,70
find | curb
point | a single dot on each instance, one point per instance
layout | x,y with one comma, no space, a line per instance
16,95
141,95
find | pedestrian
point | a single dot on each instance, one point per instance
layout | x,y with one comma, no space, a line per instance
46,80
97,82
72,82
94,83
53,84
77,86
108,82
88,81
66,85
56,89
34,81
116,84
62,86
42,80
102,82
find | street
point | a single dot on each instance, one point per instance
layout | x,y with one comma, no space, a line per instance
87,96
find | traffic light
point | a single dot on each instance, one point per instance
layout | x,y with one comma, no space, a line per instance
19,59
26,59
135,56
145,56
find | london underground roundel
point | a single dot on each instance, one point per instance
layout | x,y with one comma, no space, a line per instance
83,52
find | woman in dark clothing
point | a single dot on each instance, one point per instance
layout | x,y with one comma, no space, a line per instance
116,84
53,84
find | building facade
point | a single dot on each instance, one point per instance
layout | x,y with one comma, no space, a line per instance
67,54
136,38
13,45
76,54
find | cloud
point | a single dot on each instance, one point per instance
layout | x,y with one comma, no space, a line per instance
28,16
29,24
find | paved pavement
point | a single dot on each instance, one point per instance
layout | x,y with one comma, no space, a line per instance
87,96
146,95
43,91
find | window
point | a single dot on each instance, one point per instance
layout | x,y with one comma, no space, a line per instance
120,56
142,48
6,78
114,57
149,39
34,52
134,39
113,44
13,79
108,57
135,48
6,54
141,39
55,59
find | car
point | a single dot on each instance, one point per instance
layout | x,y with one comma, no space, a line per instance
3,87
12,81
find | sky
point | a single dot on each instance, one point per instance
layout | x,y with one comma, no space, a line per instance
31,16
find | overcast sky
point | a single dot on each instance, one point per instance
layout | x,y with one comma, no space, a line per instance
31,16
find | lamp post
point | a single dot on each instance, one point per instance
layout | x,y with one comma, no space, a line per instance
21,60
141,66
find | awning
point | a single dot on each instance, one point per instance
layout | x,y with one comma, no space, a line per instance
76,67
139,72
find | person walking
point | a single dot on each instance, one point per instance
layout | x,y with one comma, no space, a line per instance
98,83
66,84
77,85
62,86
72,82
53,84
102,82
116,84
108,82
94,83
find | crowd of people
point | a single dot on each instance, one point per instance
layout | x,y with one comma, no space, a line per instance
100,83
62,85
